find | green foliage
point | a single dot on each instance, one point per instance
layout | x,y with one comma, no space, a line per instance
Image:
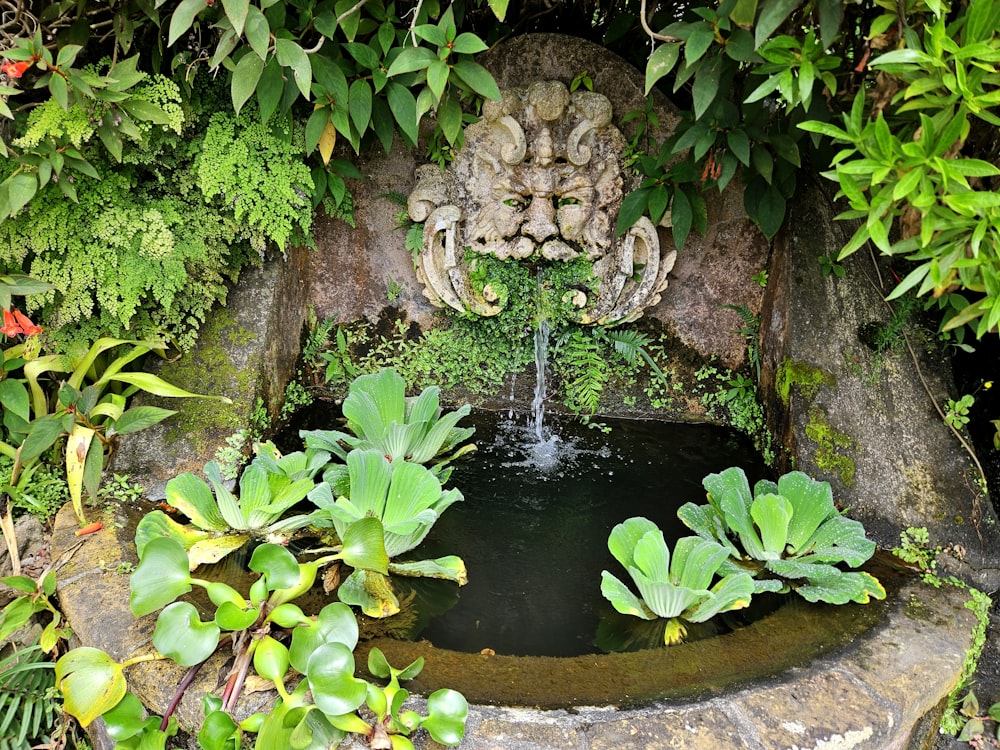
29,713
909,163
254,170
672,587
974,729
956,413
381,416
788,535
35,598
224,522
407,499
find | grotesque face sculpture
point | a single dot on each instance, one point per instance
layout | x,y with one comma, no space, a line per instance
538,180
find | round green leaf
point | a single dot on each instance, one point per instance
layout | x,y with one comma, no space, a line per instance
217,731
277,564
288,616
447,711
91,683
334,624
335,689
181,635
161,577
126,719
364,545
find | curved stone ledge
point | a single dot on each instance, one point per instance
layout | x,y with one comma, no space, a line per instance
868,693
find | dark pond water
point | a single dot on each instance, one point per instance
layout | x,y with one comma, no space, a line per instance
534,539
534,525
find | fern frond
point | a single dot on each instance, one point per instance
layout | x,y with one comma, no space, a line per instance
584,371
629,344
395,196
28,706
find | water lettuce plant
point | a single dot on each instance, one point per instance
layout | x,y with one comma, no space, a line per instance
408,499
788,535
381,416
221,523
675,587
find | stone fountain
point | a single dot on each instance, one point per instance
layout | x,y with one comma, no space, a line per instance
539,181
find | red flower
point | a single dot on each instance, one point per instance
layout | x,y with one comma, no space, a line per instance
28,328
14,69
17,323
10,326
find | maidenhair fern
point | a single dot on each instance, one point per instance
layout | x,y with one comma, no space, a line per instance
29,709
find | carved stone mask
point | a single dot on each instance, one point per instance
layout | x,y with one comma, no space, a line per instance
538,179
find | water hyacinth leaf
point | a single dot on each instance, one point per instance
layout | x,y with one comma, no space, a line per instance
335,623
161,576
306,579
621,597
181,635
449,568
217,731
277,564
447,711
364,546
91,683
127,719
288,616
330,672
234,617
270,659
193,497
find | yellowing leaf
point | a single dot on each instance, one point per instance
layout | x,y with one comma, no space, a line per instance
327,141
77,445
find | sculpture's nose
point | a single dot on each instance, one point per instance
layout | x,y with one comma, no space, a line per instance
540,223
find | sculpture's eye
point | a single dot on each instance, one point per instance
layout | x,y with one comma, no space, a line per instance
515,201
558,201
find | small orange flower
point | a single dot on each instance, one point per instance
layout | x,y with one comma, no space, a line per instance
13,69
28,328
10,326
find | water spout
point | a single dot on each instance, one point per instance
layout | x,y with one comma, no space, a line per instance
541,362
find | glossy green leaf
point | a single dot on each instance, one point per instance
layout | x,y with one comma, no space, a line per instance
161,576
140,417
660,63
364,545
182,19
330,672
335,623
218,732
245,79
772,14
291,55
371,592
411,59
404,109
257,31
447,711
360,104
477,78
235,616
270,659
277,564
181,635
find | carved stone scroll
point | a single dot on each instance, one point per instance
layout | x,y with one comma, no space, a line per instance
539,179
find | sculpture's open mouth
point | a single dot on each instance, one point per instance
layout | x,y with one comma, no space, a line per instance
540,178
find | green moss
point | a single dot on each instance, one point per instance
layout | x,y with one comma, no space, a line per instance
805,376
918,610
209,370
829,443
